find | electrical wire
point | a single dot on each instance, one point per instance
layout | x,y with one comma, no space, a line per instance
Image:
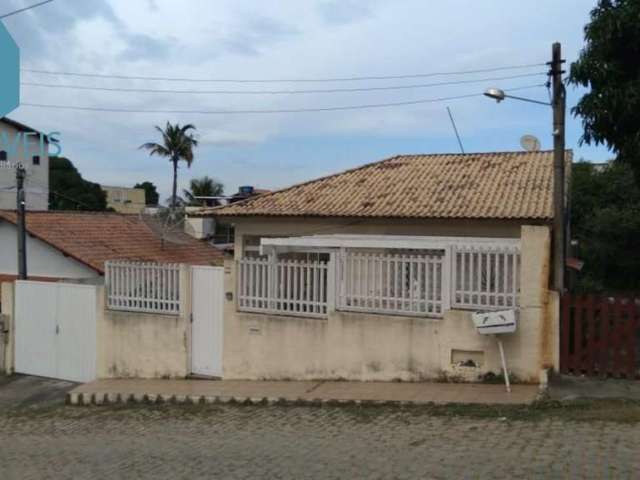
25,9
126,217
266,111
282,80
279,92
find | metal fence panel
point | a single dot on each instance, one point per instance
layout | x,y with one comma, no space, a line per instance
143,287
296,287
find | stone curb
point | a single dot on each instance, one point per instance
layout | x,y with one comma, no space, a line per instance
99,399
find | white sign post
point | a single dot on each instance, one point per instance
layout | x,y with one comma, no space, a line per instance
497,323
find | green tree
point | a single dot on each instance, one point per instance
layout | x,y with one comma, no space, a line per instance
151,196
69,191
202,187
609,65
177,144
605,219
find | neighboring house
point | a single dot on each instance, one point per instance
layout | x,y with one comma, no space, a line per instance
198,227
75,245
22,144
124,199
205,227
373,273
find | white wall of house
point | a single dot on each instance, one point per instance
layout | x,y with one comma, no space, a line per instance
370,346
37,181
43,260
199,227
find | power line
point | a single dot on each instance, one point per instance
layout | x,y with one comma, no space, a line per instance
24,9
280,92
283,80
89,208
267,111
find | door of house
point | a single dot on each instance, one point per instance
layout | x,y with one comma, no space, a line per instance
207,287
55,330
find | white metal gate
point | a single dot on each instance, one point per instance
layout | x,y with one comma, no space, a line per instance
207,287
55,330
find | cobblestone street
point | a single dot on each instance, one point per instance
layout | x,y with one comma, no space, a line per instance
231,441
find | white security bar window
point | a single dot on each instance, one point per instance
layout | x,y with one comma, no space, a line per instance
143,287
485,278
392,275
400,284
294,287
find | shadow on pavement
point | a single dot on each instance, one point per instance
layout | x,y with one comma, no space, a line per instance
21,391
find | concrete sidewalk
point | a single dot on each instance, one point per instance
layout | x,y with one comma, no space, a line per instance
195,391
568,387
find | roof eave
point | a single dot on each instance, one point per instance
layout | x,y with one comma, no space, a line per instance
373,217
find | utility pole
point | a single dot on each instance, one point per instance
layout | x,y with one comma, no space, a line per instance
21,223
559,104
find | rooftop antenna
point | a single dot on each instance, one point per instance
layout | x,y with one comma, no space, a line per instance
167,224
455,129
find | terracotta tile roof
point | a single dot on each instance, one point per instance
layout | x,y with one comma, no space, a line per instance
502,185
94,237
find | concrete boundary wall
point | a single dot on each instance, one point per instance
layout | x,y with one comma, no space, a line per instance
142,345
146,345
6,303
128,344
360,346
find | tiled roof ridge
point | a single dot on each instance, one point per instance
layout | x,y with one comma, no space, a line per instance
307,182
460,185
371,164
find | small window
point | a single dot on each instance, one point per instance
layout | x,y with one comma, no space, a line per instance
36,159
3,156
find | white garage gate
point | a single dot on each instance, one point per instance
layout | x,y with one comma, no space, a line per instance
55,330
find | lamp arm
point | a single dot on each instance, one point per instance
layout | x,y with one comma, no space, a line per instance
528,100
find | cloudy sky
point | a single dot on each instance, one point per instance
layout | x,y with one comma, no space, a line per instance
288,39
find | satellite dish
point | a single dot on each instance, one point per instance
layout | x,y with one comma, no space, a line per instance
530,143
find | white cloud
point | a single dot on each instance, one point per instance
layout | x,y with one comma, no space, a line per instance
231,139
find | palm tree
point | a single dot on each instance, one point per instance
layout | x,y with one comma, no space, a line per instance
177,144
202,187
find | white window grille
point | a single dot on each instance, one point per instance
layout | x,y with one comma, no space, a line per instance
485,277
460,273
294,287
143,287
401,284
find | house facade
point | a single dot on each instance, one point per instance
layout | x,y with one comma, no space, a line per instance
22,144
374,273
124,199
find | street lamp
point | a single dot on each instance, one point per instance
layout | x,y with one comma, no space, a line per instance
495,93
559,106
499,95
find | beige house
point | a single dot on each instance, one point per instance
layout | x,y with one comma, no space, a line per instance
374,273
124,199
